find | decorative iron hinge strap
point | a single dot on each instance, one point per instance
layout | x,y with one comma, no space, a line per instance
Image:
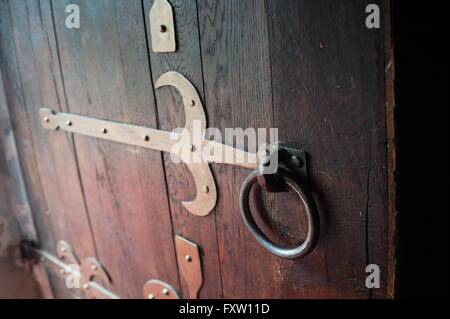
67,264
191,152
82,273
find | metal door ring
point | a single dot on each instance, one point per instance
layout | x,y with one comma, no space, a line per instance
313,221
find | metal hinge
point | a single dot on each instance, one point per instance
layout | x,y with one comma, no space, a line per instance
280,168
80,275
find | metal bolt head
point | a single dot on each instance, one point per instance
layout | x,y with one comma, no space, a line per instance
165,291
205,189
188,258
94,267
146,138
46,119
151,296
104,130
63,249
297,162
162,28
192,103
69,123
86,286
192,147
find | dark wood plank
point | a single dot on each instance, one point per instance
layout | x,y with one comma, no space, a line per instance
391,151
15,100
236,66
311,69
16,219
328,74
187,61
106,75
29,84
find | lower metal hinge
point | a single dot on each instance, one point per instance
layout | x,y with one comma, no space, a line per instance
80,275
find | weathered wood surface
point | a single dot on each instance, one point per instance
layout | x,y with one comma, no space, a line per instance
334,84
30,64
311,69
106,75
186,60
236,68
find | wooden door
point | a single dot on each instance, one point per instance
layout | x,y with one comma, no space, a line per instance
312,69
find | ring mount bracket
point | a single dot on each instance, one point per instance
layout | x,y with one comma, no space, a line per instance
283,169
291,160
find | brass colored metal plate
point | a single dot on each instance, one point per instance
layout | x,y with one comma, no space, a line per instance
188,256
162,28
156,289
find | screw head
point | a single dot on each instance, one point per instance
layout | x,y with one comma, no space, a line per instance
165,291
146,138
86,286
205,189
63,249
192,103
69,123
46,119
188,258
192,147
162,28
104,130
151,296
94,267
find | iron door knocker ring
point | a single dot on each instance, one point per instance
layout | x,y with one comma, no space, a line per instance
308,244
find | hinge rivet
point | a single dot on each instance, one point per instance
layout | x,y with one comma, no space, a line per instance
104,130
86,286
46,119
192,103
94,267
165,291
69,123
162,28
146,138
205,189
188,258
151,296
192,147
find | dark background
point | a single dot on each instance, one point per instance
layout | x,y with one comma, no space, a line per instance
421,56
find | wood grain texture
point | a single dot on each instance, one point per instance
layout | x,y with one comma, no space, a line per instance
333,84
236,67
311,69
49,164
16,107
106,75
187,61
16,219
